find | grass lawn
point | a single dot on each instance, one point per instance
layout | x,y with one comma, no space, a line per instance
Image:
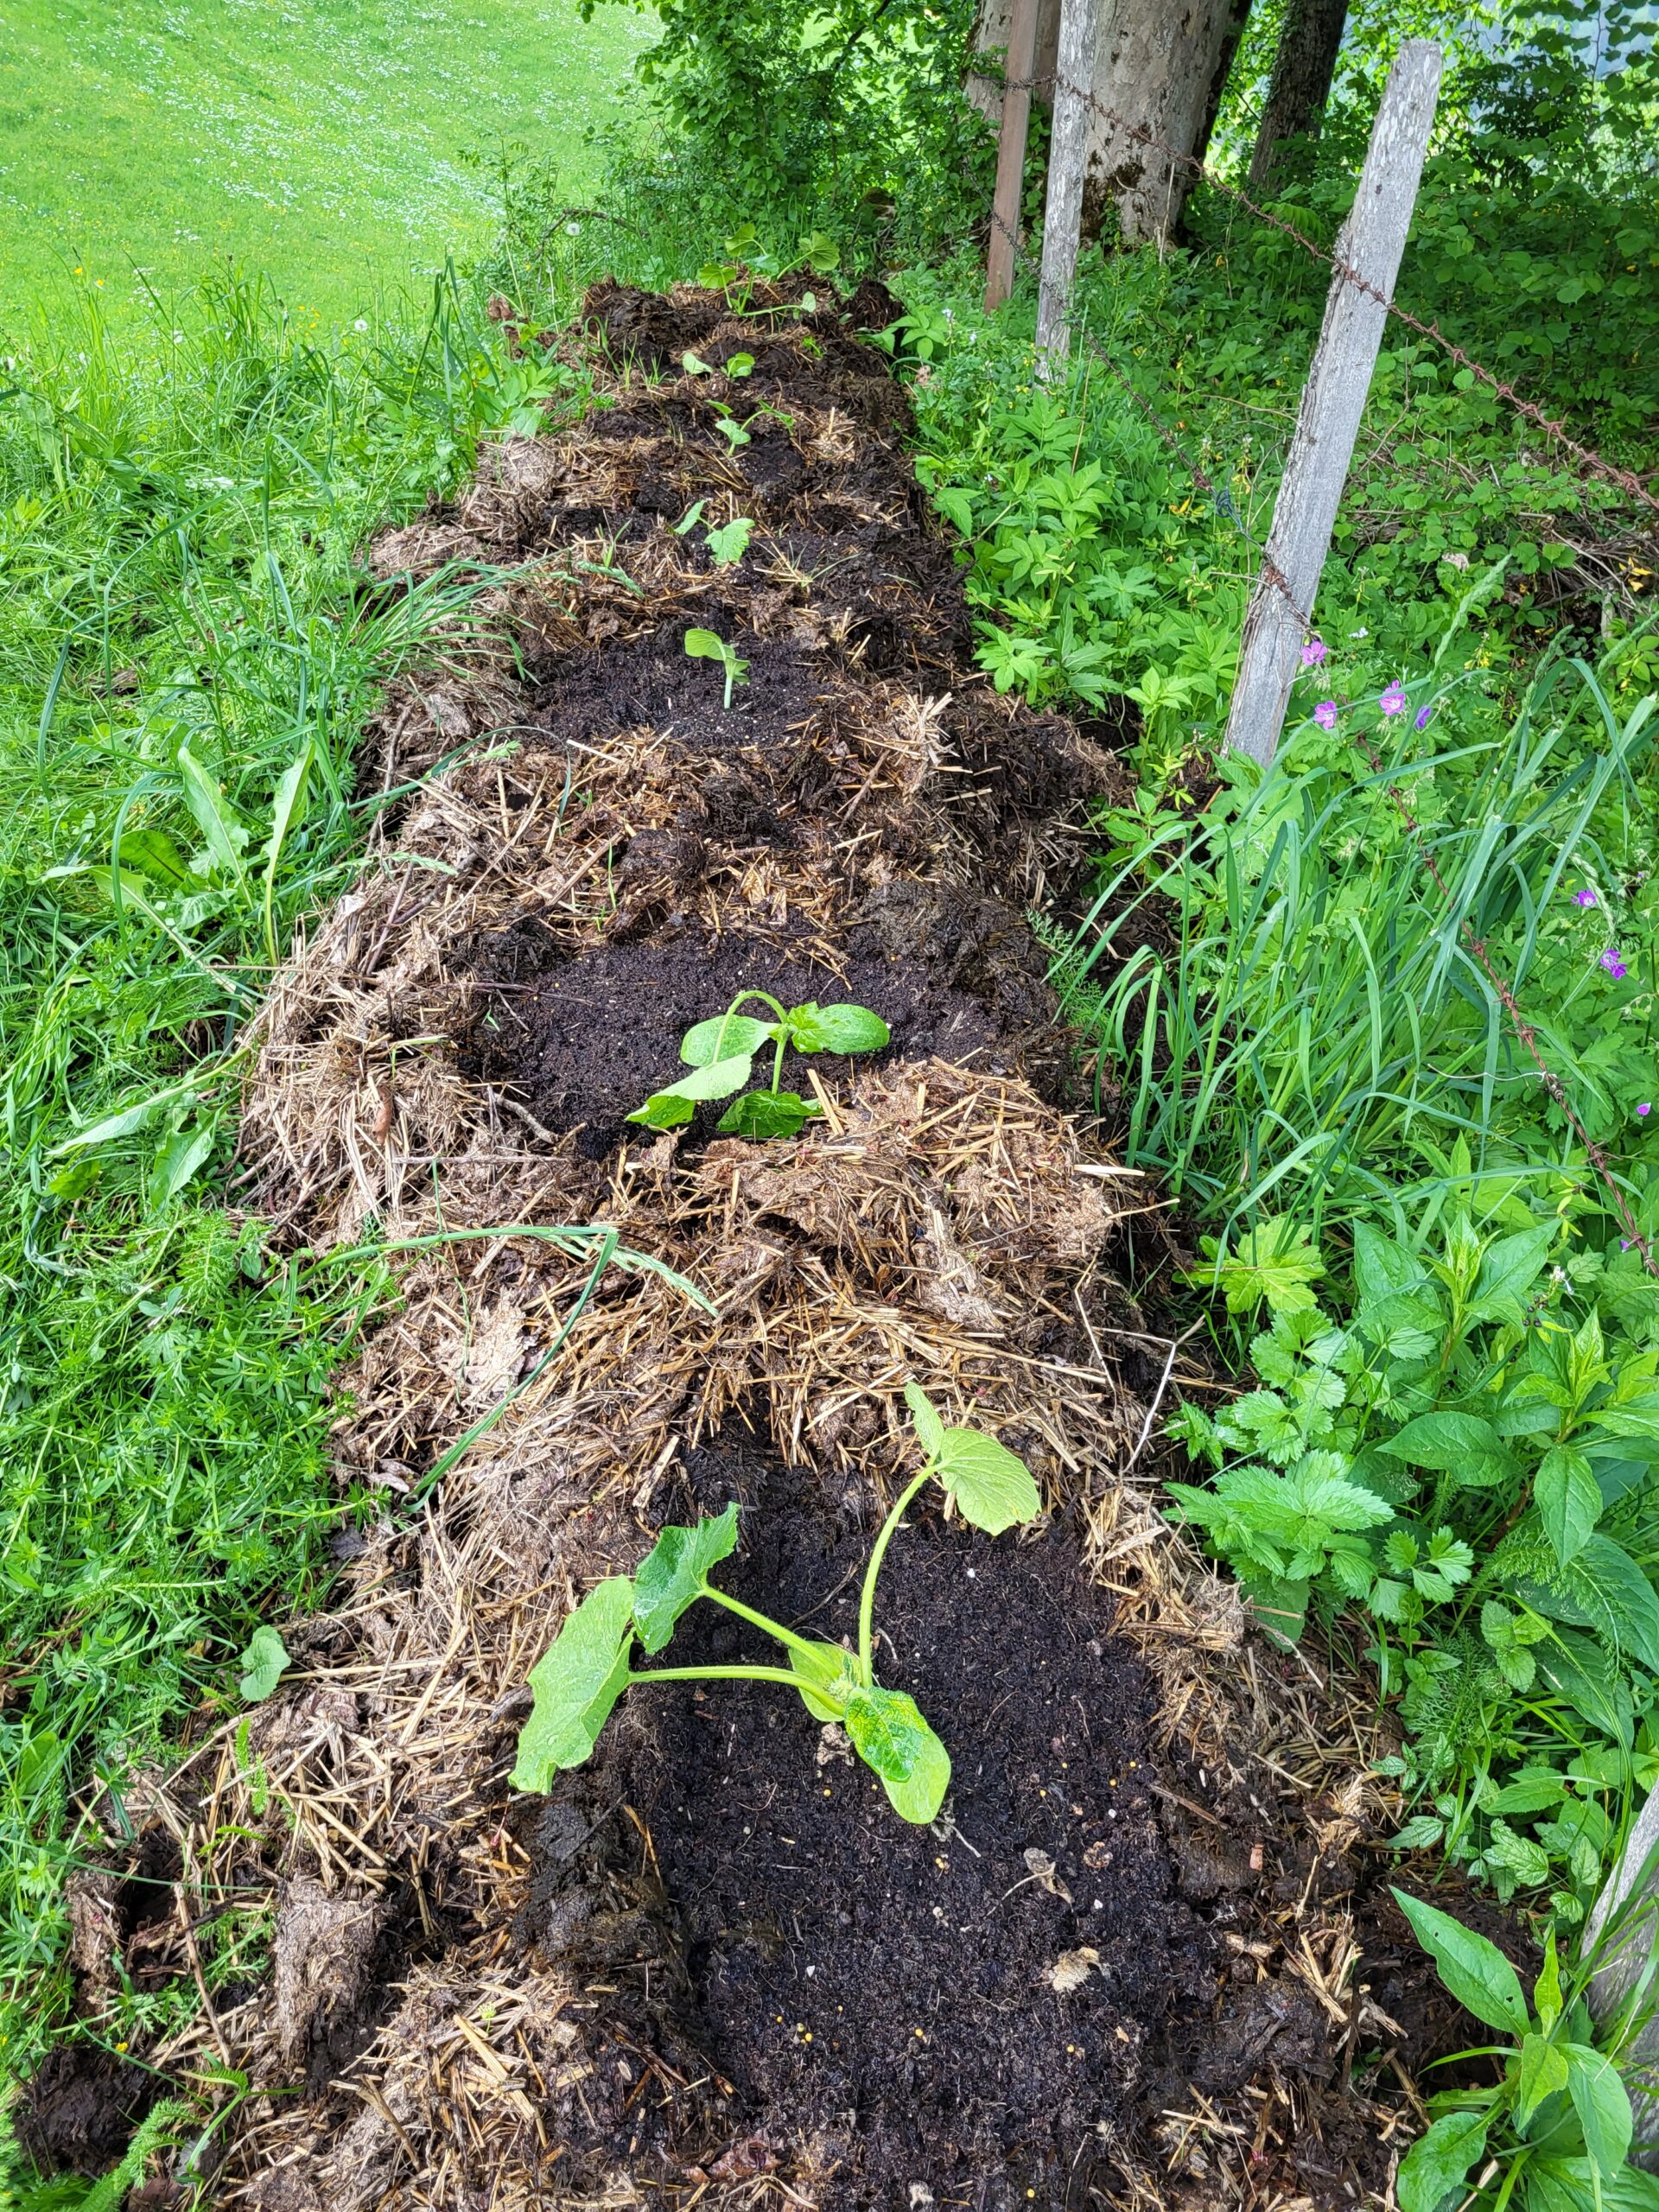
344,146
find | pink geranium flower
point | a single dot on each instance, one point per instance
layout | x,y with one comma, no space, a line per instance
1325,714
1613,964
1393,701
1313,652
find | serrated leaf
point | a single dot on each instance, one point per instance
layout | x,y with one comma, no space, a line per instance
727,545
707,1043
1473,1969
1279,1604
992,1486
263,1664
763,1113
930,1429
1277,1261
576,1681
1569,1499
1602,2106
1454,1443
675,1104
1382,1268
837,1029
829,1673
1600,1587
1419,1833
672,1574
889,1734
1438,2159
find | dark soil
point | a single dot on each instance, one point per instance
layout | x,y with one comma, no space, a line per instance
586,1041
881,1996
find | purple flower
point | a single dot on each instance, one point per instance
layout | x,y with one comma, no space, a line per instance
1424,715
1585,898
1646,1106
1312,652
1325,714
1393,701
1613,964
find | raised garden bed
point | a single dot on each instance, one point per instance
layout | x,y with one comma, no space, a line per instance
712,1967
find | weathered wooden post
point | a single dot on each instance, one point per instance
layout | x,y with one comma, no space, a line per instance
1623,1930
1068,157
1369,246
1022,60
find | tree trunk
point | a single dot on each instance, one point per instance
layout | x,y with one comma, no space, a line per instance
1237,19
1155,70
991,37
1301,84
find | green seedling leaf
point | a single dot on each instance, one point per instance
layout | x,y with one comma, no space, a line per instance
727,545
1438,2161
672,1575
733,431
822,255
930,1429
690,362
994,1489
671,1107
1277,1261
263,1664
890,1737
724,1037
828,1672
837,1029
1474,1970
763,1113
706,645
690,519
740,365
576,1681
1602,2106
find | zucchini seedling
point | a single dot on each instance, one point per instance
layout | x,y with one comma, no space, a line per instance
578,1678
707,645
722,1050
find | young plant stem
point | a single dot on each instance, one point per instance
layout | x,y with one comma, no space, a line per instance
867,1600
766,999
717,1675
773,1628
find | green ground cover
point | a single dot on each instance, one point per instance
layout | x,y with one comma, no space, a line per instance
342,147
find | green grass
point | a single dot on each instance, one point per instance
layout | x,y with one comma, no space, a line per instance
164,1474
344,147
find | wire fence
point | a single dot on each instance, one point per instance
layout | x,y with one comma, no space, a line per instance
1220,498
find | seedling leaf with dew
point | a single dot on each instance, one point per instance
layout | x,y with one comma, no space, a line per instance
721,1053
705,645
263,1664
578,1678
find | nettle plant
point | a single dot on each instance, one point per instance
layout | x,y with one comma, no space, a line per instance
578,1679
722,1052
1468,1463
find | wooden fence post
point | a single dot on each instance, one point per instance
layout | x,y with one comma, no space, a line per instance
1333,399
1068,156
1022,60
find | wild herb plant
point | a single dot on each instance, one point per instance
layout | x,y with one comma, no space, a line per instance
722,1051
1551,2134
586,1669
707,645
1465,1462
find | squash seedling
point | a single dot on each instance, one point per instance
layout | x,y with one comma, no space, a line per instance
722,1052
578,1679
704,644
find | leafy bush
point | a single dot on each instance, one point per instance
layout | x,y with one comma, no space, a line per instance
1464,1458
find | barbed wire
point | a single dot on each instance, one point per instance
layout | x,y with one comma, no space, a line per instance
1553,427
1269,572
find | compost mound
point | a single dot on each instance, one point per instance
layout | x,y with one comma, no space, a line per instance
713,1967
